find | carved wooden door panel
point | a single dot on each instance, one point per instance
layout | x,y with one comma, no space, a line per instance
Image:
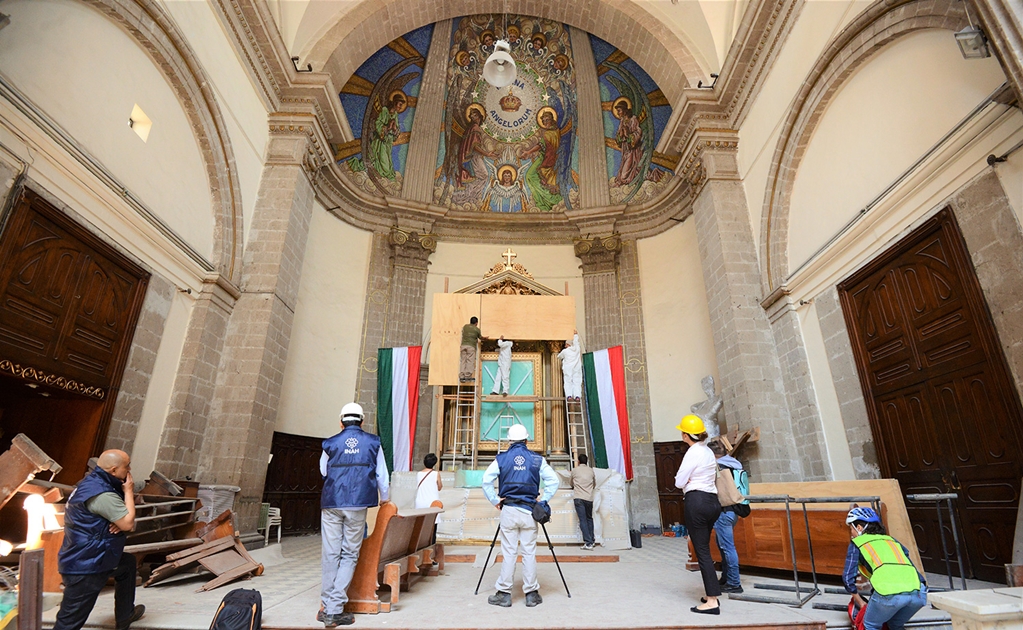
944,412
667,458
70,302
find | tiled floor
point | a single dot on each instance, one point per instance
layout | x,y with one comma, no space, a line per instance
646,588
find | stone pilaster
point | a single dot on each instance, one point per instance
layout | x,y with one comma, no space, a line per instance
557,390
751,381
145,345
243,414
799,391
1003,24
593,179
395,302
189,408
426,126
614,316
847,385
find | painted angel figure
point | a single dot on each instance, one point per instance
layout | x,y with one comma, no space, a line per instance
630,140
506,194
385,132
708,409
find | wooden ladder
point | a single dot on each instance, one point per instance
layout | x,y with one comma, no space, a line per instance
467,401
576,428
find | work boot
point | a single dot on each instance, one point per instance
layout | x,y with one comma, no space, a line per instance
500,598
136,614
333,621
728,588
533,599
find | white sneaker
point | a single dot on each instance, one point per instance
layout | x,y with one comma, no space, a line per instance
587,547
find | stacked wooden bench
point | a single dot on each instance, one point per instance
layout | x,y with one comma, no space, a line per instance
398,553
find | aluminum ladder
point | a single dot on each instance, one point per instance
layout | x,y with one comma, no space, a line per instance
576,413
467,401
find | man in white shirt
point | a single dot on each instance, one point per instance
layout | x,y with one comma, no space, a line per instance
572,368
518,472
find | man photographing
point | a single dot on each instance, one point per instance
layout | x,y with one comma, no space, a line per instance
518,472
98,513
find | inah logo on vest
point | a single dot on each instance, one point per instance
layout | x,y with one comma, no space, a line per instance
351,443
519,461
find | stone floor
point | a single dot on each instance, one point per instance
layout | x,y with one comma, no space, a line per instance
646,588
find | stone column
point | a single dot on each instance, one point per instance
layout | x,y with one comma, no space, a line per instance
614,316
593,179
799,390
395,301
1002,21
138,373
557,389
751,378
243,414
424,143
189,408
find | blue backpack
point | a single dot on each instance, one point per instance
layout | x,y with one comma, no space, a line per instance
741,480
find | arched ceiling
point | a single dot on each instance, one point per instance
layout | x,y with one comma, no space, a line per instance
679,43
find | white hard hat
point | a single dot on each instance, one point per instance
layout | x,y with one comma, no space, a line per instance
517,433
352,410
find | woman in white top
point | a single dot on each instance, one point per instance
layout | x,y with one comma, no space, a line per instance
429,482
696,476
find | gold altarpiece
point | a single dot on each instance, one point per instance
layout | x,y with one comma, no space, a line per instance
508,302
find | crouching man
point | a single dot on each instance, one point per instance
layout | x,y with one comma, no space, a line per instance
518,472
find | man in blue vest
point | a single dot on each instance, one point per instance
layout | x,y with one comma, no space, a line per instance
98,513
518,472
354,473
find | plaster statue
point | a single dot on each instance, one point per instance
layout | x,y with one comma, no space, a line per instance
708,409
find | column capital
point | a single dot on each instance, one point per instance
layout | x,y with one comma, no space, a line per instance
711,154
297,139
411,249
600,254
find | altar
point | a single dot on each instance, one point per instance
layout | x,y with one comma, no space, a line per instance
472,424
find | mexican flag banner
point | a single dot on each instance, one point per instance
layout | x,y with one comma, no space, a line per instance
397,403
604,378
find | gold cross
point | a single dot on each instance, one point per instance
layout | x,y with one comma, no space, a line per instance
508,256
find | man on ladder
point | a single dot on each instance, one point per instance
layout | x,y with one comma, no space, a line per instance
502,380
518,472
471,335
572,368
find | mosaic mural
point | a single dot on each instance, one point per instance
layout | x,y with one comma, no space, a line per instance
511,149
635,114
380,103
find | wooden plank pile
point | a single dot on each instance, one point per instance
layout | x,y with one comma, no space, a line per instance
221,554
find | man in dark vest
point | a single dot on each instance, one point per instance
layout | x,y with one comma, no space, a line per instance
98,513
518,472
354,473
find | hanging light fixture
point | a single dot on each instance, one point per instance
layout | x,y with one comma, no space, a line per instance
971,40
500,70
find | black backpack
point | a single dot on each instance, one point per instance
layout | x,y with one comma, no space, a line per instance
241,609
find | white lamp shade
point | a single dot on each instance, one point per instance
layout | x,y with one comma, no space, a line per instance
500,70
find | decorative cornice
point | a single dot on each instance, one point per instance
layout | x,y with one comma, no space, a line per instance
598,255
39,376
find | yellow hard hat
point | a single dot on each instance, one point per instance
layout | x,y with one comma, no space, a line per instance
691,424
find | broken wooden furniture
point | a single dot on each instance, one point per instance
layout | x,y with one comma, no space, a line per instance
19,465
225,557
397,553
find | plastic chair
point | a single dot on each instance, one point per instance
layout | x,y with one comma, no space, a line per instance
264,514
273,518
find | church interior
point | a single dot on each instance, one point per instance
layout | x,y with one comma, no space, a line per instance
222,221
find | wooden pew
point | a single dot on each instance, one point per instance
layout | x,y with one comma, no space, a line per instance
398,553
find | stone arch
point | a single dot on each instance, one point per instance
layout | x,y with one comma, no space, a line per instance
875,28
147,23
373,24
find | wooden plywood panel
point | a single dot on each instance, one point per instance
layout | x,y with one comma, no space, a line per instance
451,311
528,317
898,523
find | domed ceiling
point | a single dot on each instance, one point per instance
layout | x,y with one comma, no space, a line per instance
514,149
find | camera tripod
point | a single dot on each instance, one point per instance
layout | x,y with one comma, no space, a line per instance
549,546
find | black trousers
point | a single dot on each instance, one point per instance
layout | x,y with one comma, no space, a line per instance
81,591
584,510
702,510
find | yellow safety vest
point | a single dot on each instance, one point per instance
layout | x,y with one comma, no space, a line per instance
891,571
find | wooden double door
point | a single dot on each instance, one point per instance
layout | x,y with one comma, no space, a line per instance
944,411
